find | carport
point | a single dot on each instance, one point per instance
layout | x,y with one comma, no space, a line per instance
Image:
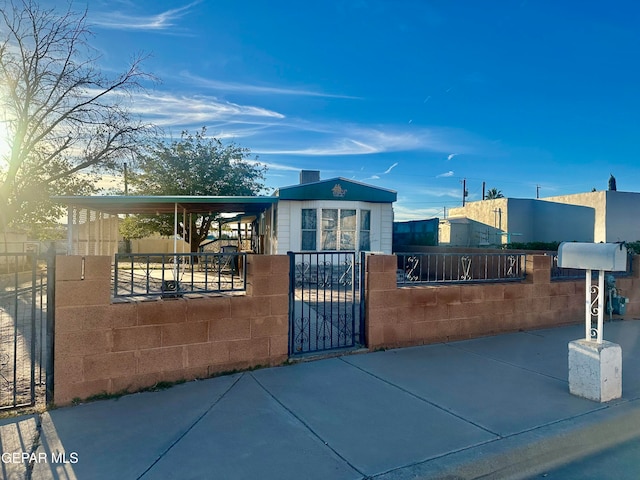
92,222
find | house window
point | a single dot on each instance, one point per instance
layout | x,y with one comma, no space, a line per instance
309,228
339,229
347,233
365,230
329,228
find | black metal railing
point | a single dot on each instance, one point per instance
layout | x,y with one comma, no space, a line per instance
173,275
22,310
437,268
560,273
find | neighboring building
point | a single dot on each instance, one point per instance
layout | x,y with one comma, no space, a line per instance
333,214
415,233
616,213
464,232
507,220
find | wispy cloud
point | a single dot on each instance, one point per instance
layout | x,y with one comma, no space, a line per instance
277,166
388,170
442,192
184,112
451,155
270,132
402,212
359,140
257,89
333,148
445,174
126,21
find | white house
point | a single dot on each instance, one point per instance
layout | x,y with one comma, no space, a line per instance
329,215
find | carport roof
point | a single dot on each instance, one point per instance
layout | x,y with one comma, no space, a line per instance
119,204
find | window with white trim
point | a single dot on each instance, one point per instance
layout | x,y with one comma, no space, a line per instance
329,229
365,230
309,229
339,229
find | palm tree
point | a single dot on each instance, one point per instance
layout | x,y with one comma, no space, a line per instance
494,193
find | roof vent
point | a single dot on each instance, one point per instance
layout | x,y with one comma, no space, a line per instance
309,176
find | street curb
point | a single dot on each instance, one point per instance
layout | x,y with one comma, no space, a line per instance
534,452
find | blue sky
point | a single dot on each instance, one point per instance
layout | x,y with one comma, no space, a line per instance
410,95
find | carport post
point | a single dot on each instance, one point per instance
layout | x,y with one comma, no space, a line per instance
175,241
70,211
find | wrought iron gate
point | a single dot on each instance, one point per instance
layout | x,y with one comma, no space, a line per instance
326,301
23,329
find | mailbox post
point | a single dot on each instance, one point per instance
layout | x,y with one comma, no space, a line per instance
595,365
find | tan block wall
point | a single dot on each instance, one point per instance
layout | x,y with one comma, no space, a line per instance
104,347
429,314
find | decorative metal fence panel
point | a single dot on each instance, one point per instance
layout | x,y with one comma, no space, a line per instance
437,268
326,304
23,329
560,273
174,275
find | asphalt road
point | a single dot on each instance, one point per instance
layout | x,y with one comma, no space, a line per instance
621,462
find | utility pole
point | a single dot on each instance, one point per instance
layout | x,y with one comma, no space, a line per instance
537,191
127,241
484,184
464,191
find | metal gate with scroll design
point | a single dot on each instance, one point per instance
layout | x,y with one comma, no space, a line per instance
326,301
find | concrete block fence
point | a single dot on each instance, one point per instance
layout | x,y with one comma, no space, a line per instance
106,347
429,314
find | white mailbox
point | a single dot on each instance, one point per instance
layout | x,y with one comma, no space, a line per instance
611,257
595,367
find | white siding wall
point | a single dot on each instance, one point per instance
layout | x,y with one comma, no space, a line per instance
386,229
283,245
290,223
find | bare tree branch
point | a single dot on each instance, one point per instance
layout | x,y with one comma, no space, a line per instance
62,115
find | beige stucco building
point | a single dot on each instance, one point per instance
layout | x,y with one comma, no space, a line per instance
616,213
601,216
507,220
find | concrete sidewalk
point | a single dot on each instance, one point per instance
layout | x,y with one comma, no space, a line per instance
495,407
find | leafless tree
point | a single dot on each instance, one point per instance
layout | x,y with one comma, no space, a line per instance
60,114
